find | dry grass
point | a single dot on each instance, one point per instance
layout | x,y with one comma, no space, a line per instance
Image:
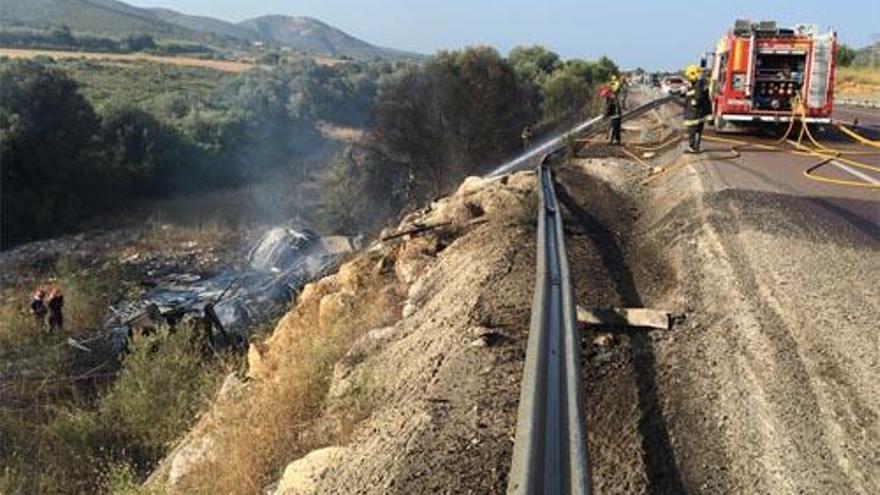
220,65
858,82
158,235
276,424
62,422
86,293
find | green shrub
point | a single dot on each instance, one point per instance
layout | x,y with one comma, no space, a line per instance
79,447
157,395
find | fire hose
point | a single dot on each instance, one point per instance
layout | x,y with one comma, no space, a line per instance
823,152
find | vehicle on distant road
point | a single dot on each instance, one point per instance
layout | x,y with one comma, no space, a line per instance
762,74
674,85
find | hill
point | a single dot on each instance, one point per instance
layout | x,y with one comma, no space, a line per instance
205,24
313,36
103,17
869,55
118,19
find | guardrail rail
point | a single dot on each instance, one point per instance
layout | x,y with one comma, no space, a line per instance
550,451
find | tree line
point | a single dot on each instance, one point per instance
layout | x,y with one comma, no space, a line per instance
64,159
62,38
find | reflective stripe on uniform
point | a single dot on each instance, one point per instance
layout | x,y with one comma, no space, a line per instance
692,122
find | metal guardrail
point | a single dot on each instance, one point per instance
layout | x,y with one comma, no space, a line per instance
550,451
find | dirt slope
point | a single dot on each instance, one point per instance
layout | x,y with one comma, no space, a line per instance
768,381
425,399
450,374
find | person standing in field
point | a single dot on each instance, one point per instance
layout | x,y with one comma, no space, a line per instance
38,307
56,308
526,137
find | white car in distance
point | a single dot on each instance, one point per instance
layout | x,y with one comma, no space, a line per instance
674,85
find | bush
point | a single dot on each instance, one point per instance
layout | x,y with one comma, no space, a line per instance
447,119
156,396
50,175
342,207
78,448
845,55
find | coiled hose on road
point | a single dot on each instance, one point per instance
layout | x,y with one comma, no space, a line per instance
819,150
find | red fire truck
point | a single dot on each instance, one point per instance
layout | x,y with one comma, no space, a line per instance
759,70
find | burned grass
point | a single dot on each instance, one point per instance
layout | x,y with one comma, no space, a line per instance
277,422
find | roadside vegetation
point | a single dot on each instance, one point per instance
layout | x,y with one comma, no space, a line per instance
277,421
858,73
858,82
457,115
84,438
73,147
68,419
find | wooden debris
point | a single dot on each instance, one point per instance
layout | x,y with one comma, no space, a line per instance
73,343
626,317
415,230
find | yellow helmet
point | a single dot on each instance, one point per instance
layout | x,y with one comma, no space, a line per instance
693,72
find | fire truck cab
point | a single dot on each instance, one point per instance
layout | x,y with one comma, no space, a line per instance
759,71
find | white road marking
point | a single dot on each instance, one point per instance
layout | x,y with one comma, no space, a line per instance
846,168
861,175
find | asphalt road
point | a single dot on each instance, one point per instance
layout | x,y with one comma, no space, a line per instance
783,174
866,118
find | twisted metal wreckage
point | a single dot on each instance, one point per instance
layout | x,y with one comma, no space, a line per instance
226,305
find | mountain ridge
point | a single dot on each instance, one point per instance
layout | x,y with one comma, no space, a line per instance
119,19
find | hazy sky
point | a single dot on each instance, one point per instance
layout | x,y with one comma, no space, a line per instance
651,34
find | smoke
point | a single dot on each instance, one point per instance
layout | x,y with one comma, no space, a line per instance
530,157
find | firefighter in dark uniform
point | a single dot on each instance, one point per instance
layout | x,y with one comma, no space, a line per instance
38,306
526,137
696,107
612,113
55,307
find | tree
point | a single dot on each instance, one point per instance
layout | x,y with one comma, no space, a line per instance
845,55
144,155
449,118
342,207
47,147
532,63
344,93
605,69
566,93
62,36
139,42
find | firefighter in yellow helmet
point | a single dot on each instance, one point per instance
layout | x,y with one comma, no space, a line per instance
696,107
615,84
